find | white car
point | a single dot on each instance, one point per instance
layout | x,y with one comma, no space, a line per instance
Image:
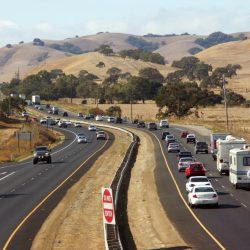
164,124
43,121
99,118
77,125
69,123
173,147
92,127
82,139
111,119
203,195
195,181
184,163
100,135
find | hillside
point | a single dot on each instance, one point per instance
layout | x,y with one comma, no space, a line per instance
88,61
231,53
25,57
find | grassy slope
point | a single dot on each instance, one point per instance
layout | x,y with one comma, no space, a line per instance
231,53
88,61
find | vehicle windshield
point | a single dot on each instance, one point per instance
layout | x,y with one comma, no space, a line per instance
199,180
203,190
43,148
196,165
186,159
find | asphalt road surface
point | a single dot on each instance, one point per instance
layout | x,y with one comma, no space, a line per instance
24,185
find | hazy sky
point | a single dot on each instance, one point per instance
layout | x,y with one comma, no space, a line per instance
59,19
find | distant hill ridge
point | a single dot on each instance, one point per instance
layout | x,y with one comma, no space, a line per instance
23,58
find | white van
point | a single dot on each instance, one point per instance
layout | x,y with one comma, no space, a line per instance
164,124
239,170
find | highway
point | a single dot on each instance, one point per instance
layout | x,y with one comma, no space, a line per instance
224,227
30,192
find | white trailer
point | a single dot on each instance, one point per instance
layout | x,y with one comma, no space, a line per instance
213,138
36,99
223,147
239,170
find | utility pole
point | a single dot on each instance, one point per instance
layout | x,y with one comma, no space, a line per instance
225,100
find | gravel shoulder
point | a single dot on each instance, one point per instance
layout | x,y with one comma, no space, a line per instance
76,223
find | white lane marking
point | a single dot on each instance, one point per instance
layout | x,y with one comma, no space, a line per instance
7,176
3,173
24,184
216,180
23,163
243,204
231,195
13,190
222,186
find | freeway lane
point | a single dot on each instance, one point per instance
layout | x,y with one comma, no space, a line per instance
23,190
229,223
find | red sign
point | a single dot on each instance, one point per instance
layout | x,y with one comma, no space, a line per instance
108,206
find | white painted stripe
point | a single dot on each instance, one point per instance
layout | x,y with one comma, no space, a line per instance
7,176
108,206
243,204
3,173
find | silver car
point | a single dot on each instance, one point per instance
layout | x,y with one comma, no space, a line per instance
184,163
173,147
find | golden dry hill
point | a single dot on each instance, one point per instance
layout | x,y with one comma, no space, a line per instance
88,61
231,53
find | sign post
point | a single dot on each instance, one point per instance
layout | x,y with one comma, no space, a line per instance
108,206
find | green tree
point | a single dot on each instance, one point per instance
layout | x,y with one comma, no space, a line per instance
151,74
114,111
106,50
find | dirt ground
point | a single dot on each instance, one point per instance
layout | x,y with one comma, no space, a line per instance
76,223
144,207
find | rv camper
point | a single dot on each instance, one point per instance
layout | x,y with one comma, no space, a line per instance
213,138
239,171
223,147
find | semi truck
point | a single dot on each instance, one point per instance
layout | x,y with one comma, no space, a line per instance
239,167
36,99
213,138
223,147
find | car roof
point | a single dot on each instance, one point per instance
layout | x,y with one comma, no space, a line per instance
191,135
197,177
186,158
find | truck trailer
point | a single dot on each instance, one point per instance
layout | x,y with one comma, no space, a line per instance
223,147
239,167
36,100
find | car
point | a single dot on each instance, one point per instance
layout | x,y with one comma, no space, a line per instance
100,135
55,112
196,181
65,114
164,124
82,139
41,153
184,133
62,124
140,124
77,125
151,126
69,123
50,111
43,121
135,121
92,127
110,119
170,139
201,147
184,154
184,163
173,147
80,114
164,134
195,169
99,118
25,114
92,116
86,117
118,120
191,138
40,108
203,195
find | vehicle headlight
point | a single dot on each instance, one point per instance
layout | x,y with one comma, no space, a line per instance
46,153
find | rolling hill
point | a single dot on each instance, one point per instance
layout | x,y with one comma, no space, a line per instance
88,61
231,53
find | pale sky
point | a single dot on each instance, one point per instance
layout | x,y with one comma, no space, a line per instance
24,20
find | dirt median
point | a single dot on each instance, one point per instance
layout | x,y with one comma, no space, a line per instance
76,223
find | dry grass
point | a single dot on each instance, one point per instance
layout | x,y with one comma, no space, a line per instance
11,150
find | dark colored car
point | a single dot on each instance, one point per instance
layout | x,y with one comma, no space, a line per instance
118,120
65,114
55,112
152,126
42,153
183,154
141,124
164,134
201,146
195,169
191,138
135,121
